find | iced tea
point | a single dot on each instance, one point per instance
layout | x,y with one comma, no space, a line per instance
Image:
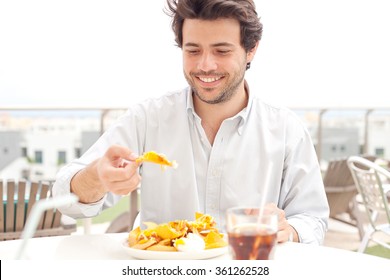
248,242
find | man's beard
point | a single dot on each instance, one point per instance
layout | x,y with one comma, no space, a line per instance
226,93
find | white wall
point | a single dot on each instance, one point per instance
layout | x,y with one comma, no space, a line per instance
313,53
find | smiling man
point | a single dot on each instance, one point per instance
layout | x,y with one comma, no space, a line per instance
214,61
214,66
226,140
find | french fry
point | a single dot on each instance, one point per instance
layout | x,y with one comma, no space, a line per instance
159,247
162,237
214,240
133,236
144,245
165,242
150,225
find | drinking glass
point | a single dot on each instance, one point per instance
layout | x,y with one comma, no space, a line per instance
251,233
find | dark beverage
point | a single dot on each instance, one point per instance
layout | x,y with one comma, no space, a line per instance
249,243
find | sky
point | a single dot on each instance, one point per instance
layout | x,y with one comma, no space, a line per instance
100,53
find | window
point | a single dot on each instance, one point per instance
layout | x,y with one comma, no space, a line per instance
24,152
38,157
61,157
77,152
361,149
379,152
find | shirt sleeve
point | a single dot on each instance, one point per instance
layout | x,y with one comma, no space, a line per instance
123,132
61,187
305,203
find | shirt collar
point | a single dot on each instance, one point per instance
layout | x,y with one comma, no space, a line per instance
243,114
190,101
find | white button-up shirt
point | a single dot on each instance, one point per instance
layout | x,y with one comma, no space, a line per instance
212,178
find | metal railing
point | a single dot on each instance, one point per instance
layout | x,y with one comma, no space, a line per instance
320,111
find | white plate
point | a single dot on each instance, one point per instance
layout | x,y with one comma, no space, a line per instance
159,255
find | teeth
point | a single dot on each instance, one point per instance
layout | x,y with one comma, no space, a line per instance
209,79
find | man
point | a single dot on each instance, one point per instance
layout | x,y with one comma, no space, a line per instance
226,141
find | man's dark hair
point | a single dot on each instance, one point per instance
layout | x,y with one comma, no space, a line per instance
242,10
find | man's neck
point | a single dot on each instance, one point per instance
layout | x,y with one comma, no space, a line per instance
213,115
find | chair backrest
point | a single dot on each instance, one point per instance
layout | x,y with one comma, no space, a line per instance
18,200
340,190
338,174
130,219
369,178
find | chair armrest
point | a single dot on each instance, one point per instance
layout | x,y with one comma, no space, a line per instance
386,190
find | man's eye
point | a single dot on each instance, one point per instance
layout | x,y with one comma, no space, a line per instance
192,51
223,51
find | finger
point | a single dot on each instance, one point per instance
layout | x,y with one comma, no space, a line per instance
282,236
130,171
121,190
110,174
125,187
281,216
125,174
283,225
270,208
117,151
116,154
131,167
111,168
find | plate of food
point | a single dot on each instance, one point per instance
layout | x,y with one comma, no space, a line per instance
177,240
174,255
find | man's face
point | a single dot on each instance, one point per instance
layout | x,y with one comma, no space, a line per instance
214,61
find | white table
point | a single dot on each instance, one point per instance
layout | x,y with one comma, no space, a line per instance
292,256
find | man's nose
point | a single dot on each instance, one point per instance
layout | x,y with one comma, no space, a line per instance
207,62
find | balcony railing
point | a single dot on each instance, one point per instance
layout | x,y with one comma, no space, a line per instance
316,123
316,119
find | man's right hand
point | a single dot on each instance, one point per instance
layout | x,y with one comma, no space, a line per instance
116,172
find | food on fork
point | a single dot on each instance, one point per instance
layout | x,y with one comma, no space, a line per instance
154,157
179,235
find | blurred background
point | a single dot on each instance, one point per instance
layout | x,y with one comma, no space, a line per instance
68,69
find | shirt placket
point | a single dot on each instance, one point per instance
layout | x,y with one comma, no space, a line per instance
214,174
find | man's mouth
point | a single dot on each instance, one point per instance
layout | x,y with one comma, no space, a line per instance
209,79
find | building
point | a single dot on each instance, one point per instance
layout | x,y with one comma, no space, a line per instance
339,143
37,146
37,151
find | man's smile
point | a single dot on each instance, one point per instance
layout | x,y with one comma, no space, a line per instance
207,79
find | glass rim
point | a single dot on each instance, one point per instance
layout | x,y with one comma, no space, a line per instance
232,209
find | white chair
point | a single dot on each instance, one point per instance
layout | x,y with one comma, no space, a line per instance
372,182
341,193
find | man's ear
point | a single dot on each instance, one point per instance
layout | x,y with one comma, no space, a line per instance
251,53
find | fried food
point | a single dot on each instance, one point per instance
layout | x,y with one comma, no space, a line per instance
159,247
145,243
133,236
178,235
214,240
154,157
